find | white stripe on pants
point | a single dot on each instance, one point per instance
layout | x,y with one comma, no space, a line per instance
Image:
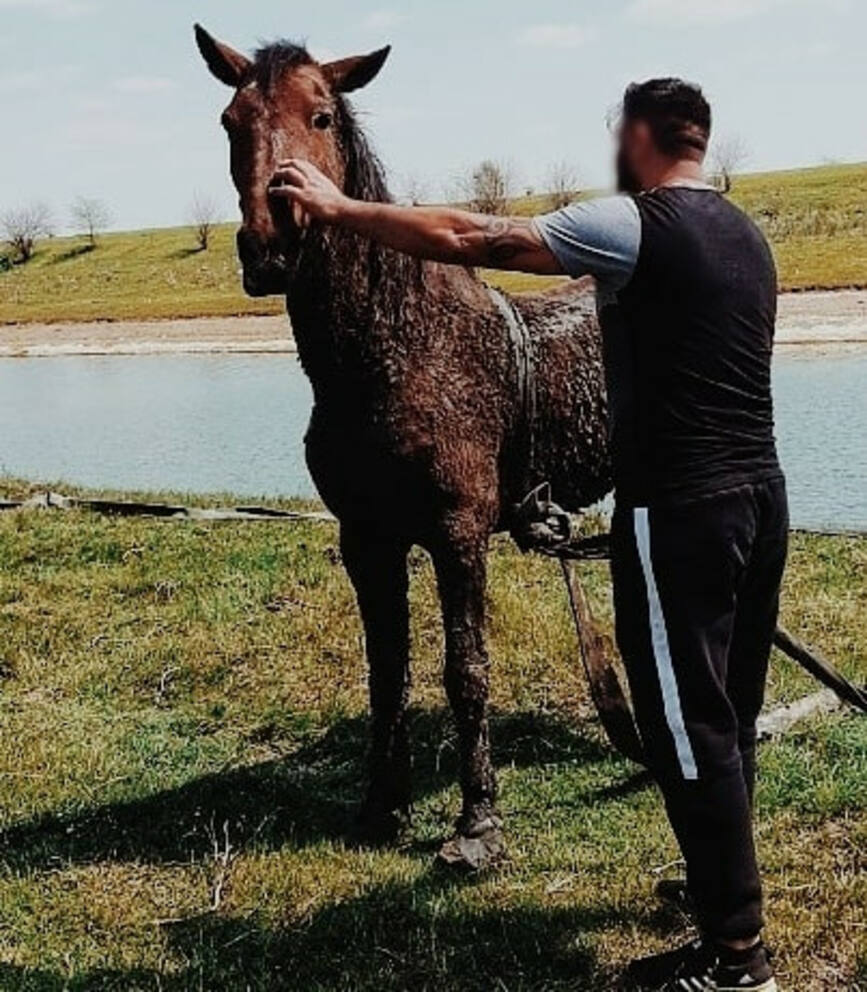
661,650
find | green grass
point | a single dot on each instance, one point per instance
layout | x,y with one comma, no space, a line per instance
815,219
170,687
130,276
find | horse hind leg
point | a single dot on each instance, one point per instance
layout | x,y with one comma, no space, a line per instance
378,571
461,571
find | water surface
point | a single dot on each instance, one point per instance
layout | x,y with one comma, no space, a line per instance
205,423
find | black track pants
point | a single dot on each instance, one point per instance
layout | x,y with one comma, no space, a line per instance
696,594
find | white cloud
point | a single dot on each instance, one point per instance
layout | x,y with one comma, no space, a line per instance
16,82
103,128
715,11
56,8
383,19
94,105
556,35
144,84
49,77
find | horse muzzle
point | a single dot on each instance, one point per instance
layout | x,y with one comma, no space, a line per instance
266,265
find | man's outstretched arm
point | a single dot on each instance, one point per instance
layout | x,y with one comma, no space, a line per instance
440,234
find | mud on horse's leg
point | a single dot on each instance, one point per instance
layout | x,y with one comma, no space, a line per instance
461,570
378,572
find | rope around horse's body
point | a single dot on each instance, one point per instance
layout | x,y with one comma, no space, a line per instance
525,370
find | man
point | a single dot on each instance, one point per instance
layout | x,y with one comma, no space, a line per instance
687,299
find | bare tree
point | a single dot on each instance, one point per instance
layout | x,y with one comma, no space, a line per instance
90,217
489,188
454,190
204,214
563,182
414,190
727,156
22,227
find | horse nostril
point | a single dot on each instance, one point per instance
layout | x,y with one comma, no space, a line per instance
251,250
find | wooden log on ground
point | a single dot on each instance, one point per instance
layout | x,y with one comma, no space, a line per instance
781,720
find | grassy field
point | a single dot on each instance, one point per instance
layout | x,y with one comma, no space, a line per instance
815,219
183,724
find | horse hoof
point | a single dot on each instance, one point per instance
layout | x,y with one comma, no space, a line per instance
378,827
471,854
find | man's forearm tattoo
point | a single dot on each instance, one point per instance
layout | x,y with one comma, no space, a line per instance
506,238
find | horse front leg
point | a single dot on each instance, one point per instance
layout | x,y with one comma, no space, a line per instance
461,574
378,572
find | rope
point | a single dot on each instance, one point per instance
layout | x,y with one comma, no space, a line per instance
615,712
593,548
605,688
522,346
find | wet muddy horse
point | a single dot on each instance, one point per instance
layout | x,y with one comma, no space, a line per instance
423,429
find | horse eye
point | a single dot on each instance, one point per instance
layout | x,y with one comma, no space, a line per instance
322,120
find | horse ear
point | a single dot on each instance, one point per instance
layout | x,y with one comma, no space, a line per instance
224,62
350,74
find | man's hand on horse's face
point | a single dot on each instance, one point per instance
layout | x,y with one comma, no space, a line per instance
441,234
309,192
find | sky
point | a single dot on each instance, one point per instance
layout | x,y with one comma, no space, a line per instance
110,99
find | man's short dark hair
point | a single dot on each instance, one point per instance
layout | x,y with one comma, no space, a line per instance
676,111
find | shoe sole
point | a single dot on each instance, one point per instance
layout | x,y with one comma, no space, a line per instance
768,986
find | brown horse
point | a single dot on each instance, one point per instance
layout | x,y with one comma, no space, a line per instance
421,431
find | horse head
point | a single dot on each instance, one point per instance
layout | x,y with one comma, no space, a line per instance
285,105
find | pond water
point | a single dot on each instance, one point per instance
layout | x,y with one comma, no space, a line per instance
235,423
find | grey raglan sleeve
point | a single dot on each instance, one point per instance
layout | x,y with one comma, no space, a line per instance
598,238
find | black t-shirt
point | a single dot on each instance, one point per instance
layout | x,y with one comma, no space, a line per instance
688,308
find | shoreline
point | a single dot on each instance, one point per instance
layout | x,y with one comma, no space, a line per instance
810,322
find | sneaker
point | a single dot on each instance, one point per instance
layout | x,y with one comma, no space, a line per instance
750,969
703,967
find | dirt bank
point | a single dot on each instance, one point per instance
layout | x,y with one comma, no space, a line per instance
201,334
815,320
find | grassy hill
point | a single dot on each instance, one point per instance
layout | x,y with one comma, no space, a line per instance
815,219
182,732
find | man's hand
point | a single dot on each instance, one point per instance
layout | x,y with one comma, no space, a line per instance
309,192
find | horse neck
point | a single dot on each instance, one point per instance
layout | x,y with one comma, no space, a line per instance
351,304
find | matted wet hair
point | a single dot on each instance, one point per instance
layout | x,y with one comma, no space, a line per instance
272,62
677,112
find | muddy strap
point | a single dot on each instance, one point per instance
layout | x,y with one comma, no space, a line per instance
610,700
522,349
47,500
540,525
606,691
599,670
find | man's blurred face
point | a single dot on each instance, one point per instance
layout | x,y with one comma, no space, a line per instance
634,151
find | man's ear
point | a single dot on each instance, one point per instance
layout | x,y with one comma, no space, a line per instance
224,62
350,74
